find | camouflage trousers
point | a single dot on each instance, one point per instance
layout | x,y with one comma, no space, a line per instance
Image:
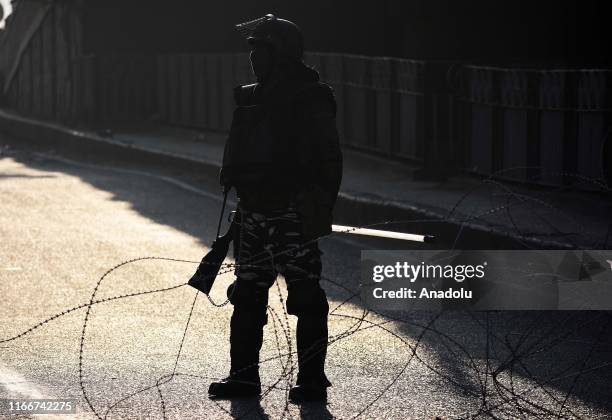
271,243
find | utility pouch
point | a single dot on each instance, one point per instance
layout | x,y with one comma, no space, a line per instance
315,209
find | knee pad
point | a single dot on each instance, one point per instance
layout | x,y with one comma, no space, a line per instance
307,298
250,302
247,294
246,319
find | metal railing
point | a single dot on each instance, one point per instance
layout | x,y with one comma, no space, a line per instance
379,100
544,126
530,125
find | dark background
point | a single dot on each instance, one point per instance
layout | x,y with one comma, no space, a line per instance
475,86
546,32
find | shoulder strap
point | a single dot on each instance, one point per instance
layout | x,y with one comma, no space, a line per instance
243,94
225,192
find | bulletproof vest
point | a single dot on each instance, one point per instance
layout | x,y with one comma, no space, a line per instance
262,143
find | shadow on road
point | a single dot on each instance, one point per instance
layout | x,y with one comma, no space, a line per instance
553,351
247,408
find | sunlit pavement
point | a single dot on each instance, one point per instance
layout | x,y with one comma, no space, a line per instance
64,224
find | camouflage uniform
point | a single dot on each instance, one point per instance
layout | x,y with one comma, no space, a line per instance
271,243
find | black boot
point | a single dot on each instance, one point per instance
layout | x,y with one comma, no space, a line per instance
312,382
232,388
306,392
246,338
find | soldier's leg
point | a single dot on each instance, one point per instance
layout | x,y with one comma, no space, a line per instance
249,296
307,300
300,264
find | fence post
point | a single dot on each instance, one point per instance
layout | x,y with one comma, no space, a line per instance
187,99
533,125
570,127
497,123
462,120
394,107
436,122
199,79
606,155
372,139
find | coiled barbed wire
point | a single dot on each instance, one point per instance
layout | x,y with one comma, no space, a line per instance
507,393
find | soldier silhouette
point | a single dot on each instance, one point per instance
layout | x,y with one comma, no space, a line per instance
283,158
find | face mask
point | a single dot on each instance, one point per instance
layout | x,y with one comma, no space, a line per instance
261,61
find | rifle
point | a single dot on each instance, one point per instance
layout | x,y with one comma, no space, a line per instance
204,277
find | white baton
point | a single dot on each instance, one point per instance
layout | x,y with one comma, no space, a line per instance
383,233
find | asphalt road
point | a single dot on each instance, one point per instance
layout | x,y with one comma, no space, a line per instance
65,221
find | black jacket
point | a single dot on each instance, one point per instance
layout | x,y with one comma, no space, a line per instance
284,146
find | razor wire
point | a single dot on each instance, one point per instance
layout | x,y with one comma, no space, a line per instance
519,401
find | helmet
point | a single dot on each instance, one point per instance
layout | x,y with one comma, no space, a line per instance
282,35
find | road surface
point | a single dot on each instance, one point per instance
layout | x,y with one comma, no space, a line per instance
65,221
